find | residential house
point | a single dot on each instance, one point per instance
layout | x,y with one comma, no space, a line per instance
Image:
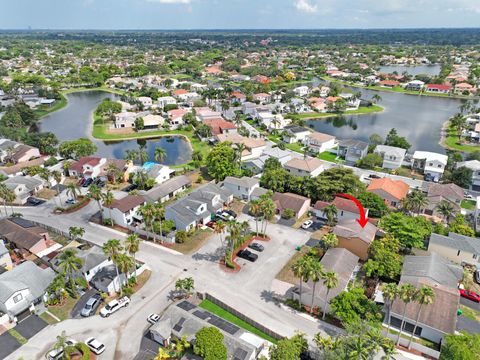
253,147
301,90
160,173
439,192
430,163
241,188
206,113
304,166
125,211
23,187
318,142
389,83
391,191
23,287
256,165
152,122
26,237
87,166
220,126
273,121
352,150
439,318
346,209
167,190
237,96
175,118
415,85
166,100
338,260
392,156
355,238
438,88
106,280
127,119
462,88
473,165
299,204
5,259
262,97
457,248
145,101
198,207
16,153
189,97
293,134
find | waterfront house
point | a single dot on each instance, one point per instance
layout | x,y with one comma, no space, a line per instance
438,88
392,156
318,142
293,134
430,163
167,190
352,150
253,147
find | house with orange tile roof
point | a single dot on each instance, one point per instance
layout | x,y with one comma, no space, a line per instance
389,83
299,204
220,126
391,191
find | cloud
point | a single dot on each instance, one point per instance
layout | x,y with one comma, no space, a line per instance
171,1
305,6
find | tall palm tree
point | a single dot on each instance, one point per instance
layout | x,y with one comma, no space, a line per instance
330,281
219,229
160,154
95,193
108,200
239,149
415,201
147,212
330,212
446,209
124,263
376,98
73,190
424,296
112,172
142,155
315,272
131,155
268,208
132,246
3,194
69,264
390,294
406,294
111,249
45,175
159,214
255,211
57,176
300,268
61,342
75,232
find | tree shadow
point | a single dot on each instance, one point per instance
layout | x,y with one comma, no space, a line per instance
270,297
215,256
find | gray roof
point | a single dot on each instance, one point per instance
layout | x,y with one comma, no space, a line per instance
245,181
390,150
259,191
91,257
432,267
156,169
352,143
352,229
27,275
169,186
294,129
471,164
28,181
457,242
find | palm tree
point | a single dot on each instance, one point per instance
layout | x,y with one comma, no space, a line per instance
3,194
299,269
61,342
124,263
132,246
446,209
69,264
160,154
57,176
255,211
376,98
76,232
146,211
268,209
131,155
329,240
406,294
159,214
315,272
415,201
390,294
219,229
142,155
111,249
424,296
112,172
45,175
330,212
239,149
181,345
73,190
108,200
95,192
330,281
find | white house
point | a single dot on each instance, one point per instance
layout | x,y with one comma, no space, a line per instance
145,101
241,188
319,142
160,173
304,167
392,156
473,165
272,121
430,163
124,212
166,100
301,90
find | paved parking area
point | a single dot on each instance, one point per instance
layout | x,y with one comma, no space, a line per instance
30,326
471,304
8,344
469,325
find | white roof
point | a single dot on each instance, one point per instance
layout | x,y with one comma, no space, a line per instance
252,339
430,156
471,164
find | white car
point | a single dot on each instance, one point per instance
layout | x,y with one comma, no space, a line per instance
114,306
225,216
96,346
153,318
307,224
56,354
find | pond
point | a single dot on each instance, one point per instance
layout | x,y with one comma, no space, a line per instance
418,118
75,121
431,70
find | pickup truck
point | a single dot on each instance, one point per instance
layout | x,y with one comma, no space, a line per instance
114,305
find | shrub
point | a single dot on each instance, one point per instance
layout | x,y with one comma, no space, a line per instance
127,291
181,236
288,213
51,161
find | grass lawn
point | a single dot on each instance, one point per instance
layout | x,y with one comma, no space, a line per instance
63,312
193,243
217,310
17,336
328,156
141,280
451,141
470,313
47,318
286,274
468,204
46,194
360,111
43,110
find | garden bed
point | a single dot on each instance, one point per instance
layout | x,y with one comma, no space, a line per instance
75,207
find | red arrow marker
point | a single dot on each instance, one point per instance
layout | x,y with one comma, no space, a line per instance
363,219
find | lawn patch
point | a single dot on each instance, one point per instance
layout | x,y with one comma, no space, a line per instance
468,204
17,336
193,243
286,274
63,311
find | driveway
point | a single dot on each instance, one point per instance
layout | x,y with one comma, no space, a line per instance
469,303
30,326
469,325
81,303
8,344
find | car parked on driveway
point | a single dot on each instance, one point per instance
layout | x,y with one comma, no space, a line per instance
153,318
256,247
114,306
57,354
91,306
247,255
34,201
470,295
96,346
307,224
221,214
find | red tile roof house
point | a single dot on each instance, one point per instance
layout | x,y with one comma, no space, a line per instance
220,126
299,204
124,212
389,83
353,237
175,117
438,88
261,79
237,96
262,97
88,166
391,191
460,88
346,209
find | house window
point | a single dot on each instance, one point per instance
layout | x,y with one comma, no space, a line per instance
17,298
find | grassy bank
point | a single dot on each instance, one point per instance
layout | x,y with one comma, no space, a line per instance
44,110
360,111
451,141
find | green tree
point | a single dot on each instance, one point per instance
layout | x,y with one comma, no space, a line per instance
406,293
75,149
108,200
315,272
424,296
209,344
330,281
160,154
459,226
370,161
221,162
462,177
393,139
390,294
69,264
446,209
131,245
76,232
353,306
384,258
329,240
95,192
464,346
112,248
330,212
289,348
300,270
139,123
410,231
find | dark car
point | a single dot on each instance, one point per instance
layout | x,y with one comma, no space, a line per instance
130,188
374,176
256,247
247,255
232,213
87,182
33,201
91,306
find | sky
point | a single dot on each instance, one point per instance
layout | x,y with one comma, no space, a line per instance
237,14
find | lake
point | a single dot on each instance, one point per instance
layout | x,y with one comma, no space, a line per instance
75,121
411,70
418,118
